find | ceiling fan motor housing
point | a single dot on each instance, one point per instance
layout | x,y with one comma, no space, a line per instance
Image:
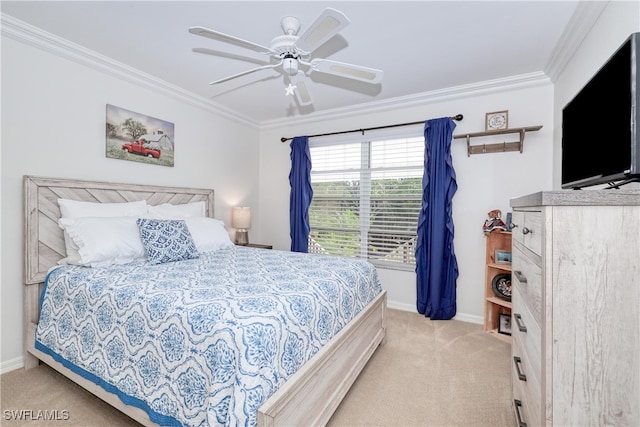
283,45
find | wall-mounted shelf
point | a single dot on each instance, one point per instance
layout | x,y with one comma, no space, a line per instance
497,147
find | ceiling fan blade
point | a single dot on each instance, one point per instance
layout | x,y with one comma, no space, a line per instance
264,67
328,24
216,35
301,92
212,52
357,72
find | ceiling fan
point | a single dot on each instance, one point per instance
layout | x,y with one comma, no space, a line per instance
290,53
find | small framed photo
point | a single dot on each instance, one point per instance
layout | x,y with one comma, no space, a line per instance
504,324
497,120
502,257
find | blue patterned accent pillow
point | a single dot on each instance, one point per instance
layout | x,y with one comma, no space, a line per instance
166,240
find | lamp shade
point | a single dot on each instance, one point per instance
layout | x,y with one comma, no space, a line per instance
241,217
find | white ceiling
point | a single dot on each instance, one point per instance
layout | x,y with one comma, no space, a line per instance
422,46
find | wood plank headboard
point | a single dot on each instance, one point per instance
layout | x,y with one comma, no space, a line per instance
44,240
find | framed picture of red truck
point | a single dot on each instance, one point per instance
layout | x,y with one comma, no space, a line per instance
139,138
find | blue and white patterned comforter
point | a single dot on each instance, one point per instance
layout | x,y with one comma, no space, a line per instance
204,341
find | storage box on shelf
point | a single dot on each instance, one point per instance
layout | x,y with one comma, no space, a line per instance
493,305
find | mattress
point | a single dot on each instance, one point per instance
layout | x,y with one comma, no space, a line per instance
204,341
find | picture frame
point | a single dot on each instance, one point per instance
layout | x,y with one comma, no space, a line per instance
138,137
496,120
504,324
501,256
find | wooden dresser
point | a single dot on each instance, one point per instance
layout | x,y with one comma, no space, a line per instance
576,308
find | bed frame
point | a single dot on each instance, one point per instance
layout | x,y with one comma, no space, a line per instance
308,398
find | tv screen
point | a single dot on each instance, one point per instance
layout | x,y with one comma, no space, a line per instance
599,139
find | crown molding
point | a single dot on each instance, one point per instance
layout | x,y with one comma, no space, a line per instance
457,92
582,21
36,37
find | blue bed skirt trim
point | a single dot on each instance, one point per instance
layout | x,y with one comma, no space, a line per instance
154,416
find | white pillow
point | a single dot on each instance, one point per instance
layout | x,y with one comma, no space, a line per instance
169,211
78,209
102,241
208,234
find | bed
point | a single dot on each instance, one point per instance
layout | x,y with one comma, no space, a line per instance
313,386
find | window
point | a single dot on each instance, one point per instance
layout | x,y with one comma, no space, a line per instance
367,197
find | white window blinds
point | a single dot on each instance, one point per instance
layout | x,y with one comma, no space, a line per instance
366,199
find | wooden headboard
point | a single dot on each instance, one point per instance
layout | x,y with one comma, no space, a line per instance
44,240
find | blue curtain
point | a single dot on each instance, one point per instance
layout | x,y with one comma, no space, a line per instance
436,264
301,194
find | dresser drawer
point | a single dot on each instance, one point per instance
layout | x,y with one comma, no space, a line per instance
526,278
528,229
528,394
526,386
526,336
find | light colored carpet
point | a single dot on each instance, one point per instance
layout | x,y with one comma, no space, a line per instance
428,373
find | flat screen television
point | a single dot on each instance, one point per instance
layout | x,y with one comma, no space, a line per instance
600,135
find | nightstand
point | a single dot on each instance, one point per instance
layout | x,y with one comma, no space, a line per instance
258,245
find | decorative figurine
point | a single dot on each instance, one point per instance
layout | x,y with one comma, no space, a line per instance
494,222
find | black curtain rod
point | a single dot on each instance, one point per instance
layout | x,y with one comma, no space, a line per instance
457,117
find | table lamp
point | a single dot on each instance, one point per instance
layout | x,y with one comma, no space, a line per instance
241,221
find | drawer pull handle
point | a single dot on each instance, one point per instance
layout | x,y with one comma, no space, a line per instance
521,278
518,405
517,362
518,318
526,230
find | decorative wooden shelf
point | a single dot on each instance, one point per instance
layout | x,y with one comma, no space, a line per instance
493,305
498,301
505,267
497,147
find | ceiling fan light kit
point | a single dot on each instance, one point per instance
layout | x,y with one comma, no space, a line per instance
289,52
290,65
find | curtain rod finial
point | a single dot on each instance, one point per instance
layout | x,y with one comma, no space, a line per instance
283,139
458,117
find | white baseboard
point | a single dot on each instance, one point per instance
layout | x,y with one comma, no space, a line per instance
401,306
470,318
11,365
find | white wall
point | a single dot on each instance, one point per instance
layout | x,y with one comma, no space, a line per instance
53,124
618,20
485,181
